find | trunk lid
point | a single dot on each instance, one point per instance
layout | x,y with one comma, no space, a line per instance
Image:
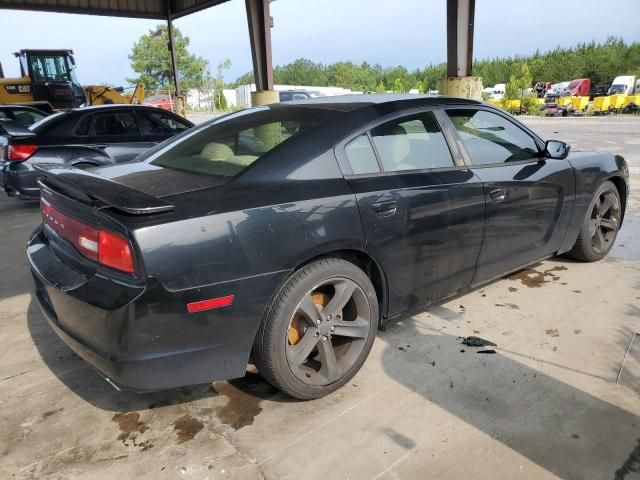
99,191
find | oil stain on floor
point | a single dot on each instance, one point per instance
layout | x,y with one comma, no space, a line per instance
244,398
187,427
534,279
130,426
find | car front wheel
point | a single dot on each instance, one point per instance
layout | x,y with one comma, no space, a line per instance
601,225
319,330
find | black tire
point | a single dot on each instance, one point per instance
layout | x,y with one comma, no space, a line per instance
291,326
600,226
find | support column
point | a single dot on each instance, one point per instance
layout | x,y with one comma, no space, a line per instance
459,81
259,21
179,106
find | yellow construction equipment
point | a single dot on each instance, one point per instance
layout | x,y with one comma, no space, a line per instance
601,104
102,95
579,103
631,99
564,101
48,81
617,101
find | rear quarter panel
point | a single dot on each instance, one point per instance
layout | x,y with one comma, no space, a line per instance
250,231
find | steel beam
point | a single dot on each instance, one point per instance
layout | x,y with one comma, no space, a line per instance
259,21
460,19
172,49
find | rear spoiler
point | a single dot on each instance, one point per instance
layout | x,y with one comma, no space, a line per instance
14,129
90,188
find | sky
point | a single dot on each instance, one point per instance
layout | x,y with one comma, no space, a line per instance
398,32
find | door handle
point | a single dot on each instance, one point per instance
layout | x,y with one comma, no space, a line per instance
498,195
385,208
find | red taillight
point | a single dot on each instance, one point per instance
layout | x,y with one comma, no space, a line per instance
102,246
19,153
114,251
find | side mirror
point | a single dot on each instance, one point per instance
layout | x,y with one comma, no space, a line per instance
72,61
556,149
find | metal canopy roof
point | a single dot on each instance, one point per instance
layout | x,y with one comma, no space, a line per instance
155,9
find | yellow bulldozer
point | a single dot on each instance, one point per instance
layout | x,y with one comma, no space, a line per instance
48,82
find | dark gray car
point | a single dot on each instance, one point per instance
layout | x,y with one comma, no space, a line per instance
82,137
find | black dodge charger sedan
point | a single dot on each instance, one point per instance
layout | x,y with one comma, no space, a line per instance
286,235
82,137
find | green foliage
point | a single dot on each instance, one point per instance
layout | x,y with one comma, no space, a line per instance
151,60
601,62
218,85
515,89
380,88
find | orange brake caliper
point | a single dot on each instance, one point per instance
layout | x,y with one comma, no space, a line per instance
298,327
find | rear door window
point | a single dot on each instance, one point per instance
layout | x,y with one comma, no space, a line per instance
116,124
412,143
82,129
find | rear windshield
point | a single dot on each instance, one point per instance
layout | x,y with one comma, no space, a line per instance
228,145
39,126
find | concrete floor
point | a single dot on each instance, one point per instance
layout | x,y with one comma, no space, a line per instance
424,406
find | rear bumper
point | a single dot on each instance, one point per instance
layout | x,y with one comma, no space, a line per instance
19,180
151,342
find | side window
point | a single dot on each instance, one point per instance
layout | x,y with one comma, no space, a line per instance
360,155
490,138
157,123
3,114
82,129
412,143
115,124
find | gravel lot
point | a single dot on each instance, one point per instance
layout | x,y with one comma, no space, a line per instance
546,406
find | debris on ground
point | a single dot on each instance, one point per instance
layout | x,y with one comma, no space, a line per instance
510,305
553,332
487,351
477,342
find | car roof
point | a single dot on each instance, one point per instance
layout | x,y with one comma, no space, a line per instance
94,108
384,98
25,107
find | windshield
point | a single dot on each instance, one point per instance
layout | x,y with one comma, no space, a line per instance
50,68
228,145
618,88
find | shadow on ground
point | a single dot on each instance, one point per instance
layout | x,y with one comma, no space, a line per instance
555,425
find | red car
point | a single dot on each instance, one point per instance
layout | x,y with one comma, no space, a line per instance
160,101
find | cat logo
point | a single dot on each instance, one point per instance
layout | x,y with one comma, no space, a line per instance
17,89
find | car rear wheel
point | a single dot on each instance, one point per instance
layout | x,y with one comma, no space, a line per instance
601,225
319,330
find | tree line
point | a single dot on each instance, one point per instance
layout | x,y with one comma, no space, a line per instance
601,62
